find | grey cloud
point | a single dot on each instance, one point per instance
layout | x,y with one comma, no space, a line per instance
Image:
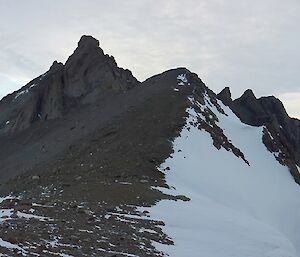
291,102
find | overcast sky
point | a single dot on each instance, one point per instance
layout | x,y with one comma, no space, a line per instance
237,43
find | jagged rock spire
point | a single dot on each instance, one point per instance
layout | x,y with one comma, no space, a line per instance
225,96
87,76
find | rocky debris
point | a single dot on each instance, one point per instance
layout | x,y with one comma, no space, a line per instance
51,226
269,112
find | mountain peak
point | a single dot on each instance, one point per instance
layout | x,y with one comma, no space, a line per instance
248,94
225,96
88,43
87,76
56,66
87,40
88,48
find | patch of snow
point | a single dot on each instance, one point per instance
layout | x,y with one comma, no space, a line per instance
8,245
277,154
55,243
182,77
117,253
106,216
21,93
32,86
129,216
11,214
2,199
22,215
44,75
118,209
125,183
151,231
235,209
5,214
182,80
41,205
57,254
86,231
269,133
25,91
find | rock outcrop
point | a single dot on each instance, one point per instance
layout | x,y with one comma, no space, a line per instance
225,96
87,76
283,135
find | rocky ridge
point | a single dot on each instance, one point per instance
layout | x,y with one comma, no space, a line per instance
281,135
92,140
86,77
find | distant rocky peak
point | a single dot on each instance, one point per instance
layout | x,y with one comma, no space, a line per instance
87,45
89,70
248,95
226,91
87,50
225,96
87,41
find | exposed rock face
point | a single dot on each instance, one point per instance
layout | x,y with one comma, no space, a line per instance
87,76
225,96
89,69
253,111
269,112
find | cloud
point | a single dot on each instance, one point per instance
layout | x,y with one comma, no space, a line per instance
291,102
241,44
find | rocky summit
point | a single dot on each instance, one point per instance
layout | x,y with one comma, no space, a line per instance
97,163
87,75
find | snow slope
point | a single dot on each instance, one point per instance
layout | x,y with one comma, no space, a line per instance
235,209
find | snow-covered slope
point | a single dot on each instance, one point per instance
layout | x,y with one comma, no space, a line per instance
235,209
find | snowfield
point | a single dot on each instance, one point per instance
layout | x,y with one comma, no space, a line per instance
235,209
